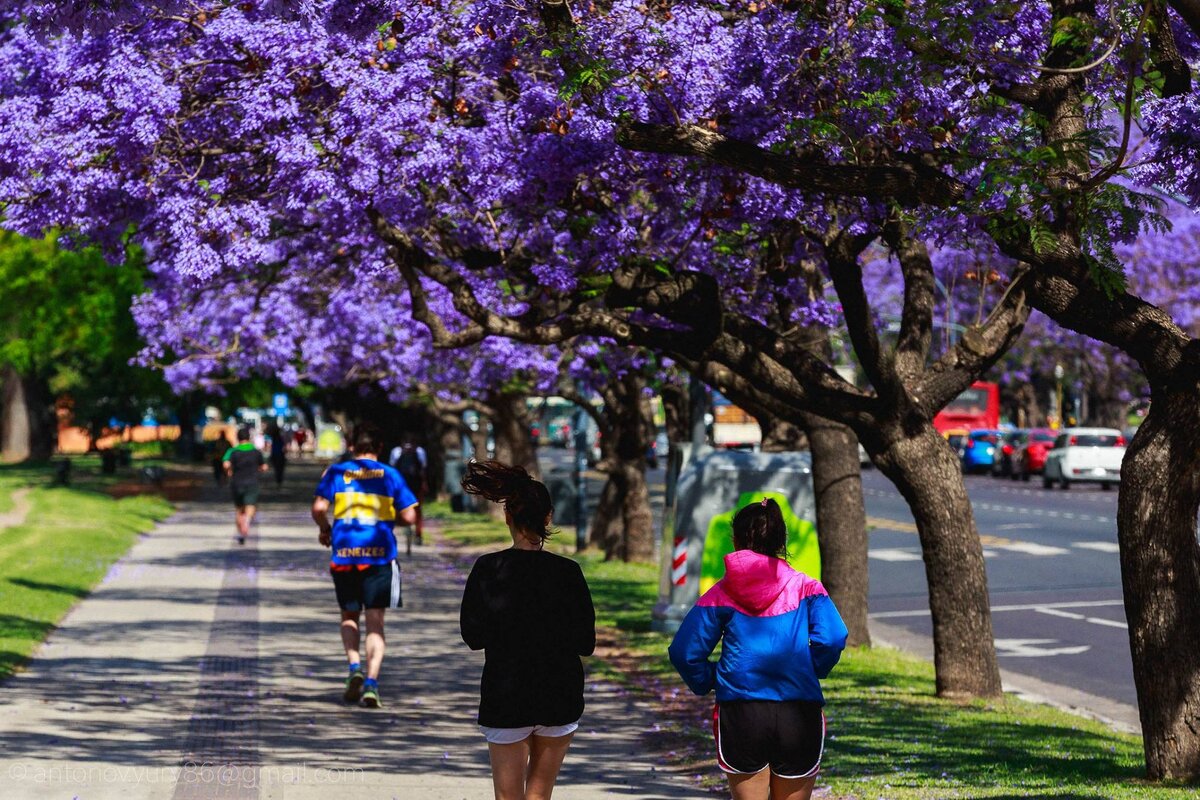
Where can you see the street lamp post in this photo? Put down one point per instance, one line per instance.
(577, 426)
(1058, 380)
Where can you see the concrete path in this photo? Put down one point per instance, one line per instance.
(20, 508)
(200, 669)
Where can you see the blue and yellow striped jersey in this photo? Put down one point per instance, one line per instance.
(366, 497)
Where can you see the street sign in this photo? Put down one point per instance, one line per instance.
(281, 404)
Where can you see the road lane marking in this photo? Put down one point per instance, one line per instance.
(893, 554)
(924, 612)
(1058, 612)
(985, 539)
(1036, 648)
(891, 525)
(1034, 549)
(1103, 547)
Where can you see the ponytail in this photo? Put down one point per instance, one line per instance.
(760, 527)
(526, 499)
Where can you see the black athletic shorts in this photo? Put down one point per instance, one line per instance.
(788, 736)
(374, 586)
(245, 496)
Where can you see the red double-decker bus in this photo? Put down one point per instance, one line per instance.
(977, 407)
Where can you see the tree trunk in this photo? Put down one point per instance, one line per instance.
(781, 436)
(606, 531)
(510, 429)
(638, 542)
(925, 470)
(677, 412)
(1160, 573)
(841, 521)
(479, 440)
(624, 523)
(28, 428)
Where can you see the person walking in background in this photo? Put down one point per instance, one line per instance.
(220, 448)
(531, 613)
(782, 634)
(367, 498)
(278, 452)
(410, 460)
(242, 463)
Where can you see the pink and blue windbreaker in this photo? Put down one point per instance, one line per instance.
(782, 633)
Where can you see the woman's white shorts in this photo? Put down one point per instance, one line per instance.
(514, 735)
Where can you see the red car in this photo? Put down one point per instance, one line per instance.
(1029, 455)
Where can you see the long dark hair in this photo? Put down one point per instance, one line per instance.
(526, 499)
(759, 526)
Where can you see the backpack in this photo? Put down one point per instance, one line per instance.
(409, 466)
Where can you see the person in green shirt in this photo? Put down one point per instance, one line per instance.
(243, 462)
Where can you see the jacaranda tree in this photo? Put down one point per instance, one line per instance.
(524, 158)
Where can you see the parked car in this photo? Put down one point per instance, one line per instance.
(956, 438)
(1002, 464)
(1029, 458)
(979, 450)
(1085, 455)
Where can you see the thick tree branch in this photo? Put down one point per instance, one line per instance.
(1189, 12)
(910, 184)
(979, 349)
(841, 256)
(916, 319)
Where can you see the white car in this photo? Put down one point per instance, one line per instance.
(1085, 455)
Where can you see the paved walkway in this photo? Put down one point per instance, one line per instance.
(200, 669)
(20, 508)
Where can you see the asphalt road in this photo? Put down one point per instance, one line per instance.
(1053, 576)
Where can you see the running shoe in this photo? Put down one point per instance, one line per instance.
(354, 686)
(370, 697)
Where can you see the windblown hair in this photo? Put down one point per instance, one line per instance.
(759, 527)
(526, 499)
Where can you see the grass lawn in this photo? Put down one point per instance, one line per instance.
(62, 550)
(889, 736)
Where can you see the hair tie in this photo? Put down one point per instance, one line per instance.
(764, 501)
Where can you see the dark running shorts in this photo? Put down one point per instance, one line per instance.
(376, 586)
(245, 497)
(788, 736)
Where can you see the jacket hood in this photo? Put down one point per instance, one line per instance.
(755, 581)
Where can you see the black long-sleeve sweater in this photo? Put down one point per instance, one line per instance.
(531, 612)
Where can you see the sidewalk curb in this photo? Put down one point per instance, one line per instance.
(1118, 716)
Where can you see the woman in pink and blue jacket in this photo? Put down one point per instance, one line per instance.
(781, 634)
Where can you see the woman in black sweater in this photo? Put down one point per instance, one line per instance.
(531, 613)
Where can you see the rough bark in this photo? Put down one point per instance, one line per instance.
(925, 470)
(28, 429)
(510, 430)
(781, 436)
(841, 521)
(677, 412)
(1160, 571)
(623, 525)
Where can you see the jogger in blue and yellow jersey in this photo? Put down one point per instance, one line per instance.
(367, 499)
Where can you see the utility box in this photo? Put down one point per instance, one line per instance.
(698, 526)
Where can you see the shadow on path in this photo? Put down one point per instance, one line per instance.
(201, 669)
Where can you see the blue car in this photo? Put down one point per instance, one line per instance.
(979, 450)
